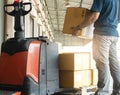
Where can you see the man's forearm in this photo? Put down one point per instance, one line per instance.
(90, 18)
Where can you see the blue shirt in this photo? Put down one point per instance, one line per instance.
(108, 19)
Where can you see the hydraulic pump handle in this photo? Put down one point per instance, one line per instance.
(18, 12)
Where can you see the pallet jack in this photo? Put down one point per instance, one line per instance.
(28, 66)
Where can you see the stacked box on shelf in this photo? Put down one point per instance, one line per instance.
(75, 69)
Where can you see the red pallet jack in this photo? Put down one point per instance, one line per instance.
(28, 66)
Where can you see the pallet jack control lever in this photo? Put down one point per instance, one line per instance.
(18, 1)
(18, 12)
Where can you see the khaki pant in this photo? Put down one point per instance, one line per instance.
(105, 55)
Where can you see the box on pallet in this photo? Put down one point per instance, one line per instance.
(75, 79)
(73, 17)
(92, 63)
(74, 61)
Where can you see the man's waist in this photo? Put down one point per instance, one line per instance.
(106, 32)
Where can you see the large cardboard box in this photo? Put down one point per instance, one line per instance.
(73, 17)
(75, 79)
(92, 63)
(74, 61)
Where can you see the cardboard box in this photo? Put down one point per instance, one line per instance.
(75, 79)
(94, 76)
(93, 63)
(73, 17)
(74, 61)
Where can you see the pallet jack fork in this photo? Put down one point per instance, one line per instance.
(28, 66)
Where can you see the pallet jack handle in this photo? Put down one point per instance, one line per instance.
(18, 12)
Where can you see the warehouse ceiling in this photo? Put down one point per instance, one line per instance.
(57, 11)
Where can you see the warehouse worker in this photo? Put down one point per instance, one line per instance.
(104, 15)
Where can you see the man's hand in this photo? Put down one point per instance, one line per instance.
(90, 18)
(76, 30)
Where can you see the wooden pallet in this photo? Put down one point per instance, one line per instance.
(87, 90)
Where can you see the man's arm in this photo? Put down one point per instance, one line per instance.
(90, 18)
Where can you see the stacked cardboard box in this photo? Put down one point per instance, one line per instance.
(75, 79)
(94, 71)
(74, 61)
(75, 70)
(94, 76)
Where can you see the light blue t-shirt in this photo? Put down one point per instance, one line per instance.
(108, 19)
